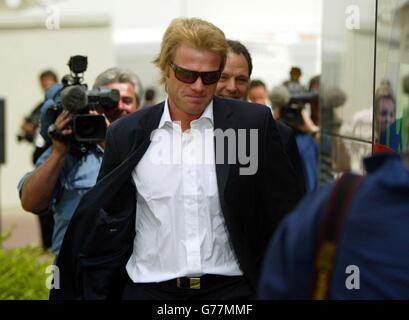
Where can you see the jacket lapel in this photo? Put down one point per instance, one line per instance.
(223, 120)
(148, 125)
(112, 182)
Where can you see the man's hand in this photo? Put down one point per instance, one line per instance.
(39, 186)
(60, 148)
(308, 126)
(28, 128)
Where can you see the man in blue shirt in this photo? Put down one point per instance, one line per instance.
(62, 177)
(372, 249)
(308, 148)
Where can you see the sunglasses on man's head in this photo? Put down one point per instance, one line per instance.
(189, 76)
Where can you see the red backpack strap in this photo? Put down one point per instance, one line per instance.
(329, 233)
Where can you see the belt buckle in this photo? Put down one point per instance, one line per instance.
(194, 283)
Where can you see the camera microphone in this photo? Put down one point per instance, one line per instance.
(74, 99)
(280, 96)
(333, 98)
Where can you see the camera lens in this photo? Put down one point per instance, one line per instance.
(90, 128)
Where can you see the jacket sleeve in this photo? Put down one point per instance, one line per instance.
(277, 182)
(111, 157)
(86, 219)
(287, 271)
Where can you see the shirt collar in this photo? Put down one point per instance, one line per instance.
(165, 116)
(207, 114)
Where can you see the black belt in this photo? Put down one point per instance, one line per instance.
(203, 282)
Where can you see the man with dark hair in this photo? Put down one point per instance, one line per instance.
(234, 83)
(293, 84)
(258, 92)
(176, 213)
(29, 127)
(47, 78)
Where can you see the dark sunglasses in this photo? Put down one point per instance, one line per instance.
(189, 76)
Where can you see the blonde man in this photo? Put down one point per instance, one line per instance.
(181, 217)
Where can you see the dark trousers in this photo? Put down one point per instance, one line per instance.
(46, 221)
(212, 287)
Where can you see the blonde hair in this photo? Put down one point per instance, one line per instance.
(195, 32)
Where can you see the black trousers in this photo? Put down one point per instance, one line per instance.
(212, 287)
(46, 221)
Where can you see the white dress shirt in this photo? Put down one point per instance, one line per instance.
(180, 228)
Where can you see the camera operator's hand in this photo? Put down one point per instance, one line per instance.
(61, 147)
(38, 187)
(28, 128)
(309, 126)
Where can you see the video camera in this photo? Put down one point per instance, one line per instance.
(25, 136)
(75, 98)
(291, 114)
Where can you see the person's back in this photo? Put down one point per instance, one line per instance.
(372, 251)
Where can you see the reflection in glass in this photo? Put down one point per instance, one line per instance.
(392, 77)
(373, 72)
(347, 68)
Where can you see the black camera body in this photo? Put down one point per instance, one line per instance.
(22, 136)
(79, 101)
(291, 114)
(75, 98)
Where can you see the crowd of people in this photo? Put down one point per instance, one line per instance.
(190, 198)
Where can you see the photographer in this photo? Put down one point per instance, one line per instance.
(293, 84)
(29, 127)
(63, 174)
(289, 107)
(29, 132)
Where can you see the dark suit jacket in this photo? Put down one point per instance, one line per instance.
(99, 239)
(290, 146)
